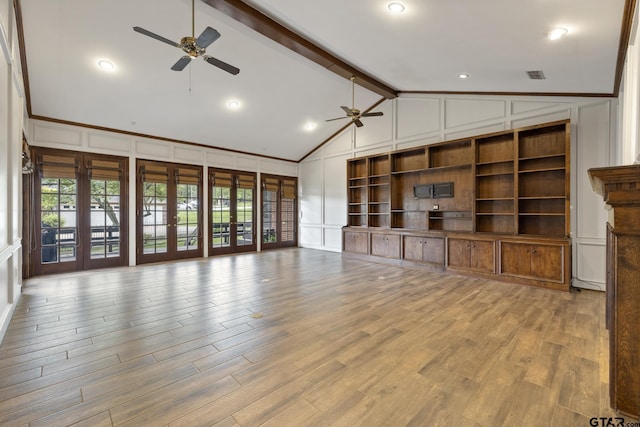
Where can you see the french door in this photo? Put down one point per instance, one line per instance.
(169, 211)
(232, 211)
(279, 211)
(78, 215)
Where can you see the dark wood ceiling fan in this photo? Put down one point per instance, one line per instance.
(353, 113)
(192, 46)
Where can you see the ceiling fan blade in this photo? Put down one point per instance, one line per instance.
(337, 118)
(222, 65)
(182, 62)
(208, 36)
(358, 123)
(155, 36)
(374, 114)
(347, 110)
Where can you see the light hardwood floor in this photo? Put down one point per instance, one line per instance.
(300, 337)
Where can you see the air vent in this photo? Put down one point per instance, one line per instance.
(536, 75)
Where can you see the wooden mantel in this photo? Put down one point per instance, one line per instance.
(620, 188)
(618, 185)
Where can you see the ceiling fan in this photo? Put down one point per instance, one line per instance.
(353, 113)
(193, 47)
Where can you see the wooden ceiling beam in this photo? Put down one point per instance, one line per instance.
(256, 20)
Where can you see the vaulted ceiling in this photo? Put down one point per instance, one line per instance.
(295, 59)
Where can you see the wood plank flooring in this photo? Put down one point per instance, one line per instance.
(300, 337)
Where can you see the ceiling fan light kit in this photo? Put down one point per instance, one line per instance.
(192, 46)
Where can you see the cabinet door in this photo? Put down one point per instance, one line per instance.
(538, 261)
(546, 262)
(378, 244)
(355, 242)
(481, 255)
(458, 252)
(433, 250)
(413, 248)
(516, 259)
(393, 246)
(385, 245)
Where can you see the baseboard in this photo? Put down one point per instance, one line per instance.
(5, 318)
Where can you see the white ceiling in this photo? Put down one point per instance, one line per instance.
(424, 49)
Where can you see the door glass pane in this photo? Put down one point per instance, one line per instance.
(105, 218)
(220, 222)
(155, 217)
(187, 226)
(288, 215)
(269, 215)
(58, 220)
(244, 213)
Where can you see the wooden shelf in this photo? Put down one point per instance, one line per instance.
(407, 172)
(544, 157)
(450, 220)
(507, 162)
(543, 198)
(494, 213)
(409, 160)
(447, 154)
(541, 170)
(495, 174)
(443, 168)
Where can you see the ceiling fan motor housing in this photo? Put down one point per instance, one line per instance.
(188, 44)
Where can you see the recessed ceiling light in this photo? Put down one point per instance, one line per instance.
(106, 65)
(556, 33)
(234, 105)
(396, 7)
(310, 126)
(463, 75)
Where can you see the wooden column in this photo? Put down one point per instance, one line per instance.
(620, 188)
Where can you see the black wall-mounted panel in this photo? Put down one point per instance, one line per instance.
(433, 191)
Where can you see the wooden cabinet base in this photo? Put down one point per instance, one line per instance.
(533, 261)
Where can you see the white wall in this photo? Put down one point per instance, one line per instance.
(54, 135)
(425, 119)
(629, 118)
(11, 119)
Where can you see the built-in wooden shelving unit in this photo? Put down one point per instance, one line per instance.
(499, 190)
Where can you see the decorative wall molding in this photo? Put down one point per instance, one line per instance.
(422, 119)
